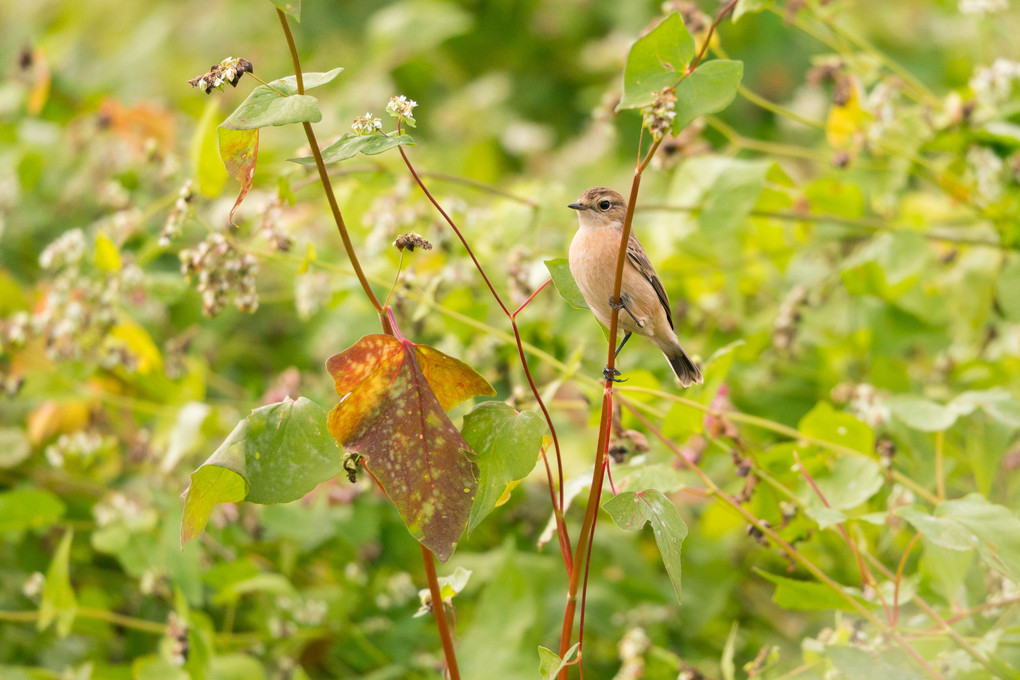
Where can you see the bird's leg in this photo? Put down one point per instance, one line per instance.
(626, 337)
(611, 374)
(623, 305)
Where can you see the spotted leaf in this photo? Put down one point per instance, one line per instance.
(393, 397)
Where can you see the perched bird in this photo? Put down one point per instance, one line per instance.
(644, 307)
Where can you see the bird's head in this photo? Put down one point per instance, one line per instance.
(599, 207)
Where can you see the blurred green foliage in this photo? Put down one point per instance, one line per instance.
(840, 244)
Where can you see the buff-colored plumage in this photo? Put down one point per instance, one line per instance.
(593, 255)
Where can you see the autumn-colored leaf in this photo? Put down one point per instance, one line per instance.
(239, 150)
(393, 397)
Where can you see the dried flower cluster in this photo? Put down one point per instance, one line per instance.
(659, 115)
(410, 241)
(223, 273)
(178, 214)
(229, 70)
(79, 310)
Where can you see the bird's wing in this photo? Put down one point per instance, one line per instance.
(637, 256)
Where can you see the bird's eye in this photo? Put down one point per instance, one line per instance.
(604, 205)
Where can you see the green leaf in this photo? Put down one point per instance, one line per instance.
(731, 197)
(22, 509)
(291, 8)
(631, 510)
(806, 595)
(709, 88)
(153, 667)
(1007, 285)
(277, 454)
(550, 664)
(726, 664)
(507, 444)
(559, 270)
(888, 266)
(204, 152)
(857, 664)
(350, 145)
(58, 601)
(999, 404)
(14, 448)
(279, 104)
(107, 257)
(921, 414)
(825, 423)
(972, 523)
(851, 481)
(750, 7)
(657, 60)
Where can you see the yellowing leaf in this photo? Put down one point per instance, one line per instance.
(205, 162)
(393, 394)
(107, 255)
(140, 345)
(54, 417)
(239, 151)
(845, 126)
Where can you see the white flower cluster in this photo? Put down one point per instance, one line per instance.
(867, 404)
(659, 115)
(402, 108)
(986, 169)
(633, 646)
(223, 272)
(366, 125)
(272, 226)
(982, 7)
(82, 446)
(312, 292)
(66, 250)
(118, 508)
(994, 84)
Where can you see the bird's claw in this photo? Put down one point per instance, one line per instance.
(614, 304)
(610, 374)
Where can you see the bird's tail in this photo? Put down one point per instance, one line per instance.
(687, 372)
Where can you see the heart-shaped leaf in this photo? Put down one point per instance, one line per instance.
(709, 88)
(277, 454)
(393, 397)
(631, 510)
(239, 151)
(278, 103)
(657, 60)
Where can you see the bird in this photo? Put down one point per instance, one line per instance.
(643, 304)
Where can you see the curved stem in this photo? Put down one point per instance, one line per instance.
(323, 175)
(557, 502)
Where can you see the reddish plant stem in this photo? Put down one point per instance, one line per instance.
(388, 324)
(866, 576)
(557, 501)
(530, 298)
(587, 527)
(439, 610)
(711, 29)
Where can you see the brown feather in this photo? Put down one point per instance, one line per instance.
(637, 256)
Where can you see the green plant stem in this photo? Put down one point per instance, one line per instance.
(940, 621)
(439, 610)
(870, 224)
(793, 553)
(792, 433)
(940, 480)
(323, 175)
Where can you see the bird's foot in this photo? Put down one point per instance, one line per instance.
(610, 374)
(614, 304)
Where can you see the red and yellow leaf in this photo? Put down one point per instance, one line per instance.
(393, 396)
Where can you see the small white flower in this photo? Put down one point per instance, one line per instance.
(982, 7)
(366, 125)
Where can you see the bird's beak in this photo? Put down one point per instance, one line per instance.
(576, 206)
